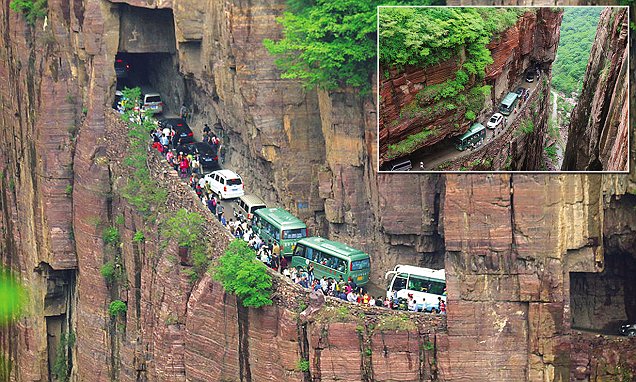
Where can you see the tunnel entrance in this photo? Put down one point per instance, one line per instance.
(58, 311)
(147, 56)
(603, 301)
(156, 73)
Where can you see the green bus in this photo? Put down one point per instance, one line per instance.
(332, 259)
(476, 133)
(279, 226)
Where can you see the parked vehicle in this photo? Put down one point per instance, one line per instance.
(425, 284)
(182, 132)
(332, 259)
(152, 102)
(494, 121)
(530, 75)
(246, 205)
(522, 92)
(628, 330)
(121, 67)
(207, 155)
(402, 166)
(226, 184)
(472, 137)
(508, 104)
(118, 97)
(279, 226)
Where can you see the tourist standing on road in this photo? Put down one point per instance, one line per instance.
(310, 272)
(219, 210)
(441, 305)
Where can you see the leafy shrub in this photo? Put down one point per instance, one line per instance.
(111, 235)
(185, 227)
(551, 152)
(409, 144)
(302, 365)
(241, 274)
(329, 44)
(60, 368)
(68, 190)
(138, 237)
(12, 296)
(117, 308)
(108, 271)
(141, 190)
(526, 127)
(30, 9)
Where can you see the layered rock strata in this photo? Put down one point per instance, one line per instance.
(600, 121)
(507, 237)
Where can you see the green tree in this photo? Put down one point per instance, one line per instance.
(330, 44)
(117, 308)
(241, 274)
(185, 227)
(30, 9)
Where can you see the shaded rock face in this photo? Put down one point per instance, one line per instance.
(600, 120)
(506, 237)
(532, 41)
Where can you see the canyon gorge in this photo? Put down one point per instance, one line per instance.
(529, 258)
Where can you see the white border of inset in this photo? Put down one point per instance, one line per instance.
(558, 172)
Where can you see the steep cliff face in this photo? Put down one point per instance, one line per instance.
(533, 40)
(600, 120)
(512, 241)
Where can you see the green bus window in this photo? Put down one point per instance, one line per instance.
(417, 284)
(309, 253)
(298, 233)
(360, 265)
(300, 251)
(437, 287)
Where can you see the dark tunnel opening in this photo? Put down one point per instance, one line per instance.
(147, 56)
(604, 301)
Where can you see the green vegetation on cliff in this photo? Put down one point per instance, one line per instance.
(578, 30)
(241, 274)
(31, 9)
(330, 44)
(423, 37)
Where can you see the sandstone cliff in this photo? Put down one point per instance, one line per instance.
(600, 121)
(513, 243)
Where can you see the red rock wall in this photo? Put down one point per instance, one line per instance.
(600, 119)
(513, 290)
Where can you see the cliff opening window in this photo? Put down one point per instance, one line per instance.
(603, 301)
(147, 55)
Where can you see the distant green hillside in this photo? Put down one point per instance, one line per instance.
(578, 31)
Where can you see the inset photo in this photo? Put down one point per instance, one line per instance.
(503, 89)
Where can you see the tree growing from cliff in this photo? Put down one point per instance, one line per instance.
(187, 228)
(330, 44)
(241, 274)
(30, 9)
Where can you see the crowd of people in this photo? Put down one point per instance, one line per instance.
(269, 252)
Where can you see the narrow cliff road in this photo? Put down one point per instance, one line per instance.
(443, 152)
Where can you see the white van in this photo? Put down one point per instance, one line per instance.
(226, 184)
(152, 102)
(425, 284)
(246, 205)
